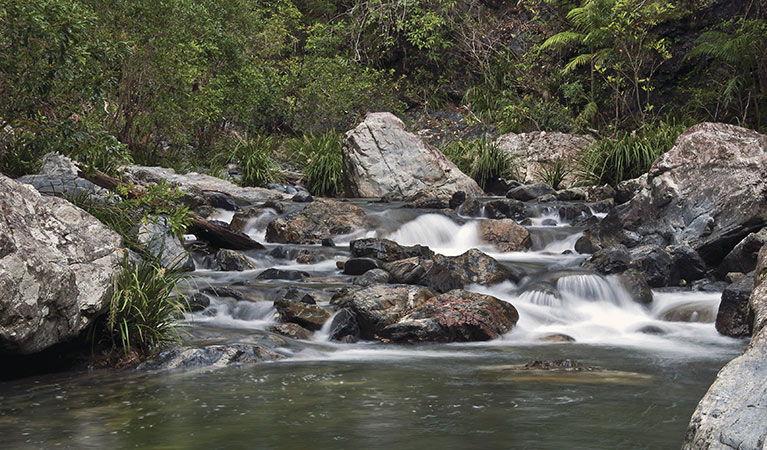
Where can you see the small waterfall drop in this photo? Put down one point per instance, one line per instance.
(439, 233)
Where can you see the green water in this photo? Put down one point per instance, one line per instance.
(441, 397)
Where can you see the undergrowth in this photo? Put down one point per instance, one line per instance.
(481, 159)
(323, 157)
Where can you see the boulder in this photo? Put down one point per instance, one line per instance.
(380, 157)
(505, 235)
(686, 265)
(626, 190)
(309, 316)
(636, 285)
(506, 209)
(742, 258)
(373, 276)
(423, 272)
(530, 192)
(457, 199)
(476, 267)
(232, 260)
(470, 208)
(534, 152)
(732, 319)
(358, 266)
(654, 262)
(56, 263)
(344, 326)
(732, 413)
(247, 217)
(154, 234)
(278, 274)
(610, 260)
(709, 191)
(456, 316)
(321, 219)
(380, 305)
(386, 250)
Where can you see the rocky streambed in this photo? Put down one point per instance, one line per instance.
(426, 320)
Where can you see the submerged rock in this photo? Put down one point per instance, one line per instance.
(279, 274)
(319, 220)
(212, 356)
(56, 265)
(380, 157)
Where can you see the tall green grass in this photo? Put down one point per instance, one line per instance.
(323, 157)
(144, 308)
(628, 155)
(256, 158)
(481, 159)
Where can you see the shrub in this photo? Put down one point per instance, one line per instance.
(144, 307)
(324, 158)
(629, 155)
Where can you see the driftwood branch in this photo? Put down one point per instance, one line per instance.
(205, 229)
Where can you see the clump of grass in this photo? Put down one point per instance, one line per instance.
(256, 158)
(324, 161)
(554, 173)
(628, 155)
(144, 308)
(481, 159)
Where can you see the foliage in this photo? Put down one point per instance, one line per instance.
(742, 82)
(481, 159)
(256, 158)
(619, 46)
(629, 155)
(324, 161)
(123, 213)
(554, 173)
(144, 307)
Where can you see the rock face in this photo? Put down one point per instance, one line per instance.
(733, 413)
(380, 157)
(416, 314)
(709, 191)
(537, 151)
(321, 219)
(56, 262)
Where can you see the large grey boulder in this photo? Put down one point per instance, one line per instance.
(534, 152)
(733, 413)
(56, 262)
(381, 158)
(708, 191)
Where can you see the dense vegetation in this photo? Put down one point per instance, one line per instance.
(192, 83)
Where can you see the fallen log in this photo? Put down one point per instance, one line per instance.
(217, 235)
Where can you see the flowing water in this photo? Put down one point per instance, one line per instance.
(373, 395)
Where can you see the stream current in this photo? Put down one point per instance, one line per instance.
(658, 361)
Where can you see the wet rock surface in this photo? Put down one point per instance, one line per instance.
(733, 318)
(209, 357)
(319, 220)
(505, 235)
